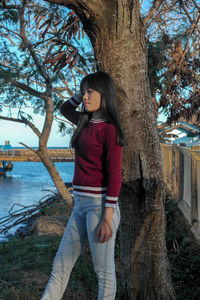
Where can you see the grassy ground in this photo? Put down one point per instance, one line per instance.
(183, 254)
(25, 264)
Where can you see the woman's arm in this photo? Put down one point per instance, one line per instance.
(113, 168)
(68, 109)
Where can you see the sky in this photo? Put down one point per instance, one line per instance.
(18, 132)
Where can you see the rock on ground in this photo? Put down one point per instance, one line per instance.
(46, 225)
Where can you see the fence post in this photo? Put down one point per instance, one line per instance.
(194, 190)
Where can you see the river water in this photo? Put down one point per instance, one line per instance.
(27, 183)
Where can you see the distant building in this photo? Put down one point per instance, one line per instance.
(5, 165)
(181, 133)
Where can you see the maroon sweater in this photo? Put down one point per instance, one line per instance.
(97, 157)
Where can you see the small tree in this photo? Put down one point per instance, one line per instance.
(26, 42)
(174, 61)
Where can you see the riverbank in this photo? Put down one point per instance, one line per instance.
(27, 185)
(25, 263)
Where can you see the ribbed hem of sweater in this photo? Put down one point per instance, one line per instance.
(95, 192)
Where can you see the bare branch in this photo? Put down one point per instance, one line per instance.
(65, 121)
(74, 79)
(188, 42)
(57, 90)
(155, 6)
(24, 121)
(60, 94)
(31, 149)
(195, 3)
(32, 126)
(80, 71)
(41, 68)
(25, 213)
(187, 13)
(11, 119)
(9, 30)
(163, 11)
(10, 7)
(67, 88)
(12, 42)
(27, 88)
(65, 3)
(141, 2)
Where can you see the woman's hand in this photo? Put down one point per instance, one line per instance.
(105, 230)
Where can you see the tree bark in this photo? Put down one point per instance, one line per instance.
(117, 34)
(121, 51)
(42, 152)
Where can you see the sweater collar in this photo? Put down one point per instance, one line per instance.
(97, 120)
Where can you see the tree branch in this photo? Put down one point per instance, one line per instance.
(24, 121)
(48, 96)
(74, 80)
(12, 42)
(34, 151)
(80, 71)
(68, 3)
(57, 90)
(195, 3)
(188, 42)
(141, 2)
(9, 7)
(41, 69)
(65, 121)
(155, 6)
(27, 88)
(187, 13)
(9, 30)
(32, 126)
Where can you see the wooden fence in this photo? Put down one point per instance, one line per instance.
(181, 173)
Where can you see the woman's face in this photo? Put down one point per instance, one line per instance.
(91, 100)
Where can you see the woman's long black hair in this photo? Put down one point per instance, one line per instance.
(103, 83)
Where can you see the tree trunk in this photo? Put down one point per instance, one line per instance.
(42, 152)
(120, 49)
(51, 168)
(117, 34)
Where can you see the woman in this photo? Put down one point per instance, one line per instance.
(98, 141)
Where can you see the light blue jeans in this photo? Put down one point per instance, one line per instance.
(82, 227)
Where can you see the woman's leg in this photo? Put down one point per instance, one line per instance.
(103, 253)
(73, 241)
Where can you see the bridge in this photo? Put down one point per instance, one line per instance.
(57, 155)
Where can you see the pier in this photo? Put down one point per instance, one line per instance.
(57, 155)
